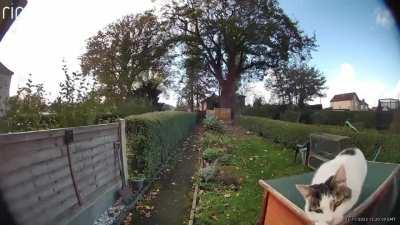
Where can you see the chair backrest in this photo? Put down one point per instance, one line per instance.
(324, 147)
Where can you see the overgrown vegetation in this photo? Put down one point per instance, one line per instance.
(79, 103)
(211, 123)
(153, 138)
(289, 134)
(233, 196)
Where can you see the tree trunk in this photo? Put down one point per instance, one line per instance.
(227, 98)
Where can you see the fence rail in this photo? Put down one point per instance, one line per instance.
(46, 176)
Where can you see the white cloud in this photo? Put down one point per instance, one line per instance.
(48, 31)
(384, 18)
(255, 90)
(348, 80)
(397, 90)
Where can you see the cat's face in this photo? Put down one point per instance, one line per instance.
(323, 200)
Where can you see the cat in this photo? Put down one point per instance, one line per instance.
(335, 187)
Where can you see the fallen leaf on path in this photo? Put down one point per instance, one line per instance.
(227, 195)
(214, 217)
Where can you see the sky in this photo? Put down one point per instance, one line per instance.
(359, 45)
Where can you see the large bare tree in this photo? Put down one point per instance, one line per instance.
(239, 39)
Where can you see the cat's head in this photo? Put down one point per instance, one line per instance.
(323, 199)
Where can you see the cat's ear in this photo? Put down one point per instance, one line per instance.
(304, 190)
(340, 176)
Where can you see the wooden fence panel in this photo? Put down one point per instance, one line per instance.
(44, 176)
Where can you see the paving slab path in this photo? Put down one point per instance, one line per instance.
(173, 202)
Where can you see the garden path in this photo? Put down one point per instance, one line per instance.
(171, 200)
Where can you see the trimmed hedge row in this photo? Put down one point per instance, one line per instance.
(290, 134)
(365, 119)
(361, 119)
(153, 137)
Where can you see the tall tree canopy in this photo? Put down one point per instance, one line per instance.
(239, 39)
(297, 84)
(124, 51)
(198, 82)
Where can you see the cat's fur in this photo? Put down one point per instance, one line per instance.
(335, 187)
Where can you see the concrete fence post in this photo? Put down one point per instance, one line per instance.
(122, 127)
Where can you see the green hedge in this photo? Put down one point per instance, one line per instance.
(358, 119)
(154, 137)
(290, 134)
(365, 119)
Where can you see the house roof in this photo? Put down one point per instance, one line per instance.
(5, 71)
(363, 102)
(344, 97)
(8, 20)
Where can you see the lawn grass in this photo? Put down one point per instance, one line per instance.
(255, 158)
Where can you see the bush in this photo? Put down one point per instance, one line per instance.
(215, 140)
(135, 106)
(359, 119)
(154, 137)
(211, 154)
(290, 134)
(291, 116)
(212, 124)
(266, 110)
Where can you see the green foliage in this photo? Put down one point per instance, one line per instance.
(211, 154)
(291, 116)
(297, 84)
(77, 104)
(213, 124)
(134, 106)
(198, 81)
(263, 110)
(129, 57)
(154, 137)
(25, 112)
(359, 119)
(212, 139)
(290, 134)
(238, 39)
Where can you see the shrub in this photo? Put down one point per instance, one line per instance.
(211, 154)
(213, 124)
(291, 116)
(154, 137)
(215, 140)
(135, 106)
(359, 119)
(266, 110)
(290, 134)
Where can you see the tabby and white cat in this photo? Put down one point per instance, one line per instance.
(335, 187)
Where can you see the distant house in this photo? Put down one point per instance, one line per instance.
(348, 101)
(364, 105)
(5, 81)
(213, 102)
(9, 11)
